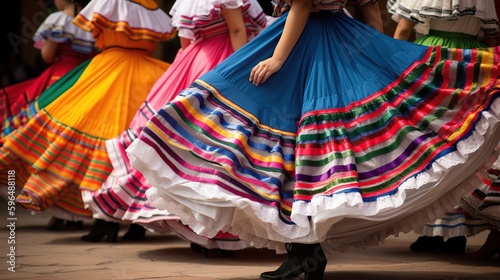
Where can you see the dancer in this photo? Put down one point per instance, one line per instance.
(452, 24)
(209, 31)
(61, 150)
(340, 136)
(64, 46)
(449, 23)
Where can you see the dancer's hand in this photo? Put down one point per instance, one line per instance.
(262, 71)
(294, 25)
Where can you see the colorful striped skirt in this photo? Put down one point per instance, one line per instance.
(357, 137)
(458, 222)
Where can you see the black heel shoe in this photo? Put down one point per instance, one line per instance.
(100, 229)
(302, 258)
(427, 244)
(135, 232)
(455, 245)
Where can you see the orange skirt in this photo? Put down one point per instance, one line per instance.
(61, 150)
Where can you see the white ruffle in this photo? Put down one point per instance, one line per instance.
(422, 11)
(132, 14)
(202, 8)
(206, 9)
(454, 224)
(59, 27)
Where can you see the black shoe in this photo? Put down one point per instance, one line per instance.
(55, 224)
(135, 232)
(207, 253)
(427, 244)
(196, 248)
(74, 225)
(100, 229)
(455, 245)
(302, 258)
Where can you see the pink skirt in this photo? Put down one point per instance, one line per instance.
(122, 197)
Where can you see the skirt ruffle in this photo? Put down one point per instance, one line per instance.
(422, 11)
(122, 197)
(50, 171)
(450, 40)
(59, 28)
(456, 223)
(139, 20)
(194, 17)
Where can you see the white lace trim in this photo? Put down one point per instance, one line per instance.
(59, 27)
(423, 11)
(204, 8)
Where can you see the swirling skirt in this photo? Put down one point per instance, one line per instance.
(357, 137)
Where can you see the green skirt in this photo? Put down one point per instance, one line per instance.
(450, 40)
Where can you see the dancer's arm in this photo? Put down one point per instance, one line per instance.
(236, 25)
(294, 25)
(49, 51)
(184, 42)
(371, 16)
(404, 29)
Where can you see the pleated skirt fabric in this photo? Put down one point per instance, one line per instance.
(450, 40)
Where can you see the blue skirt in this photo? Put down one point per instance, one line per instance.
(326, 69)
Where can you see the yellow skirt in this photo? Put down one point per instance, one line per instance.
(108, 93)
(62, 148)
